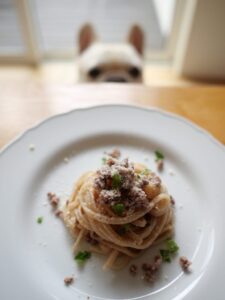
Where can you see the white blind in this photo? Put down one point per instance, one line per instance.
(11, 40)
(60, 21)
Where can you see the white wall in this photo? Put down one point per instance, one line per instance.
(201, 46)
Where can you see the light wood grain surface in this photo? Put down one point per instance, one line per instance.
(24, 105)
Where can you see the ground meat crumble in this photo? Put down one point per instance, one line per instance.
(160, 165)
(155, 180)
(129, 189)
(53, 199)
(58, 213)
(133, 269)
(68, 280)
(172, 200)
(151, 269)
(115, 153)
(184, 263)
(92, 238)
(109, 196)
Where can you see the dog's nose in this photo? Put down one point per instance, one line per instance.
(115, 79)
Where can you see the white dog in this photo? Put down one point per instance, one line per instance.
(101, 62)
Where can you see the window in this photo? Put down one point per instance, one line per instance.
(49, 28)
(11, 40)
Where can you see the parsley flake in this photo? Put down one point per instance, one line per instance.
(104, 160)
(116, 181)
(172, 246)
(40, 220)
(123, 229)
(159, 155)
(165, 255)
(82, 256)
(118, 208)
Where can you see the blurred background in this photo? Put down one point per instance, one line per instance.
(185, 40)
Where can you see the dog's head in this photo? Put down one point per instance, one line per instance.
(99, 62)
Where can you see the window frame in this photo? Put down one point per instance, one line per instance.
(31, 54)
(34, 56)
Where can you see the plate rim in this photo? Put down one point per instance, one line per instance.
(161, 111)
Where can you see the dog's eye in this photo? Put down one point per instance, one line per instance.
(134, 72)
(94, 72)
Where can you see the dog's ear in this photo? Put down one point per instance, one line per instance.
(136, 38)
(86, 37)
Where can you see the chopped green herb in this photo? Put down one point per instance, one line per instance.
(145, 172)
(81, 257)
(172, 246)
(116, 181)
(165, 255)
(126, 227)
(104, 160)
(123, 229)
(159, 155)
(39, 220)
(118, 208)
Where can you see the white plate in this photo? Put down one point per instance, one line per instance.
(35, 258)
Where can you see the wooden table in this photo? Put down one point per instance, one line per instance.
(22, 106)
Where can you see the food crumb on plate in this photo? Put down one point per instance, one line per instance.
(160, 164)
(32, 147)
(133, 269)
(58, 213)
(115, 153)
(53, 199)
(185, 263)
(66, 160)
(40, 220)
(172, 200)
(171, 172)
(166, 277)
(68, 280)
(151, 269)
